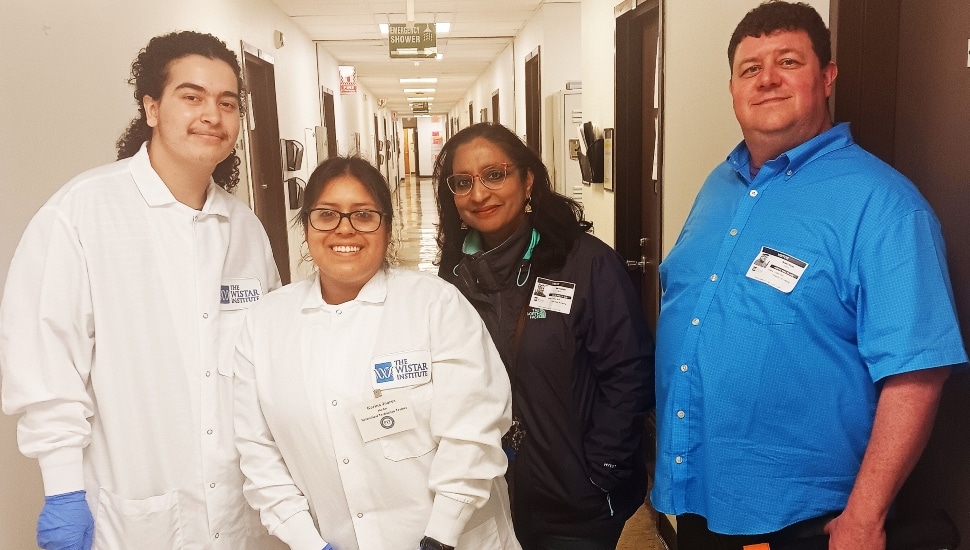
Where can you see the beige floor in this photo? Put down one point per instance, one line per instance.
(414, 240)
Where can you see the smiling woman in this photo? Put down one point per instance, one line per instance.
(363, 362)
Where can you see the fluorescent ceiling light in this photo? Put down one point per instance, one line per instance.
(419, 90)
(439, 56)
(442, 28)
(383, 27)
(429, 98)
(419, 80)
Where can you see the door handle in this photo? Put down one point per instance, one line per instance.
(641, 265)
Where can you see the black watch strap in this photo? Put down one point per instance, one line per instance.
(428, 543)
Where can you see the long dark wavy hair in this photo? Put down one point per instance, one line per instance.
(149, 73)
(558, 219)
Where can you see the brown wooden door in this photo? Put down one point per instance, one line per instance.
(903, 85)
(533, 102)
(266, 158)
(637, 147)
(329, 121)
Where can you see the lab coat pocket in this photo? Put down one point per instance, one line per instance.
(483, 537)
(230, 325)
(154, 523)
(416, 442)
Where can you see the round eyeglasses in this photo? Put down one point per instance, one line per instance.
(492, 177)
(365, 221)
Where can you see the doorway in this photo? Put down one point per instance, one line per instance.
(533, 102)
(265, 154)
(902, 85)
(638, 147)
(329, 122)
(495, 103)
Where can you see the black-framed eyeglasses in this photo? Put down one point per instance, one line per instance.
(492, 177)
(365, 221)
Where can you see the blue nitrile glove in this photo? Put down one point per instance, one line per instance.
(328, 547)
(65, 523)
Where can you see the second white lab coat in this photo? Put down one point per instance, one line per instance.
(118, 307)
(302, 367)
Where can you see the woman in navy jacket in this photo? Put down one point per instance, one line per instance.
(567, 322)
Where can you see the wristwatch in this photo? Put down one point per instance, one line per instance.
(428, 543)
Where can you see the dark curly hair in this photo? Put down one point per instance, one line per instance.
(558, 219)
(149, 73)
(774, 16)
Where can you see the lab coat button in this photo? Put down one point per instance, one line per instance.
(346, 461)
(208, 373)
(334, 402)
(212, 485)
(217, 535)
(208, 432)
(205, 315)
(360, 515)
(340, 312)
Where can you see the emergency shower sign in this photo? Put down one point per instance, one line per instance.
(412, 41)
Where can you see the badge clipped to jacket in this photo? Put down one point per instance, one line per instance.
(553, 295)
(393, 413)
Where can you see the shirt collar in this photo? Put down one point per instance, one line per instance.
(374, 291)
(791, 161)
(156, 193)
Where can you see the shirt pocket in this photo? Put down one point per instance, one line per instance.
(416, 442)
(154, 523)
(759, 303)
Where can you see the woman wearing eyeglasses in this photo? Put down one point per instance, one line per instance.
(568, 325)
(370, 401)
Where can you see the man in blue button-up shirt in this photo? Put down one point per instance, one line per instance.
(807, 324)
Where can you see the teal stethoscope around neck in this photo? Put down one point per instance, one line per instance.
(473, 245)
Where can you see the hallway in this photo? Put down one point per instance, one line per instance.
(413, 238)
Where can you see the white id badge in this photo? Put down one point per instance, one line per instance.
(384, 416)
(553, 295)
(239, 293)
(400, 370)
(776, 269)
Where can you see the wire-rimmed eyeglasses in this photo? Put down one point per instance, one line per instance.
(365, 221)
(492, 177)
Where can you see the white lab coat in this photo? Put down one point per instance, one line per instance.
(302, 366)
(111, 332)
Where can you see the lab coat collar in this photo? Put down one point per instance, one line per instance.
(374, 291)
(156, 193)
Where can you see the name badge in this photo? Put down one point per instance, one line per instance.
(400, 370)
(553, 295)
(381, 417)
(776, 269)
(239, 293)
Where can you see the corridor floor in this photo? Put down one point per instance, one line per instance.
(415, 216)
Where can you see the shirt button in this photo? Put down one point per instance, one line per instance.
(788, 173)
(680, 414)
(208, 373)
(205, 315)
(734, 232)
(713, 277)
(683, 368)
(753, 192)
(679, 460)
(334, 402)
(212, 485)
(346, 461)
(695, 321)
(208, 432)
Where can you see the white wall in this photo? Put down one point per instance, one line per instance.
(429, 144)
(699, 125)
(500, 75)
(64, 100)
